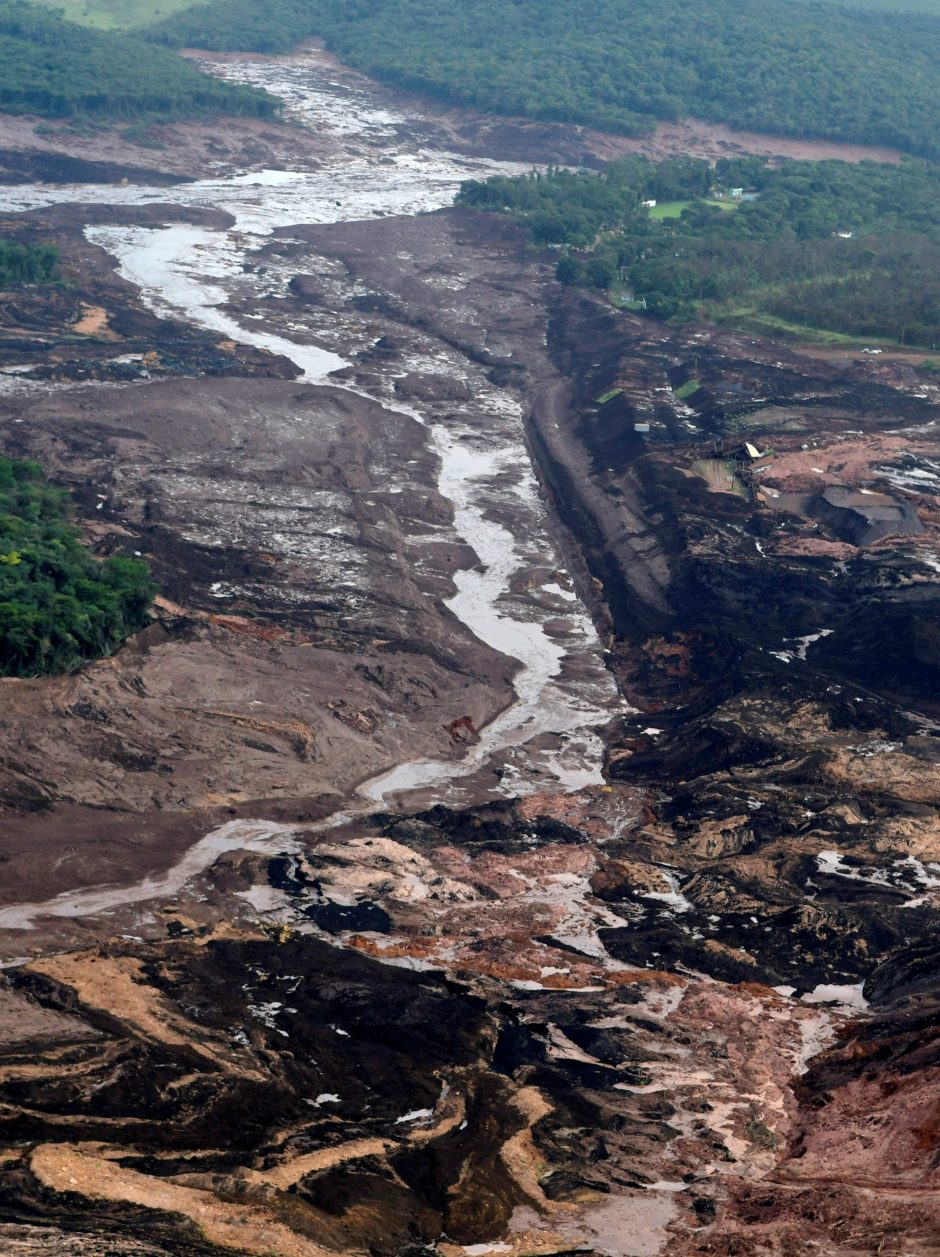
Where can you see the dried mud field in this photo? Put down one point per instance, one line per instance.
(515, 834)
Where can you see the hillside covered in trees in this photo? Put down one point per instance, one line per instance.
(781, 66)
(56, 68)
(58, 605)
(827, 245)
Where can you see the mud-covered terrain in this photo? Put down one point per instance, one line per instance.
(91, 326)
(323, 931)
(303, 548)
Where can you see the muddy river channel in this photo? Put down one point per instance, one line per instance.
(502, 840)
(381, 168)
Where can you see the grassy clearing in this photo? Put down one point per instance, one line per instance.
(673, 209)
(754, 320)
(608, 397)
(124, 15)
(771, 323)
(687, 389)
(669, 209)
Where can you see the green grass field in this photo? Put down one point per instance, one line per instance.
(106, 15)
(751, 319)
(669, 209)
(673, 209)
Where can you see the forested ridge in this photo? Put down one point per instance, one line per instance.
(58, 605)
(853, 249)
(783, 66)
(780, 66)
(54, 68)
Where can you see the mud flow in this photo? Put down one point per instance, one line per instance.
(517, 831)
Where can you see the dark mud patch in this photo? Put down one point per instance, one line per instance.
(25, 166)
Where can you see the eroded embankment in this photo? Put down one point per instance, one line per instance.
(788, 692)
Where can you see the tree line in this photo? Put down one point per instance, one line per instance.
(782, 66)
(27, 263)
(59, 606)
(828, 245)
(54, 68)
(899, 6)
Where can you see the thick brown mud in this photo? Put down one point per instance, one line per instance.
(689, 1010)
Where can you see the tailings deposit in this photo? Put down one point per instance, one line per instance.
(511, 835)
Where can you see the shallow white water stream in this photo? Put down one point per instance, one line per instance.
(540, 705)
(162, 263)
(263, 837)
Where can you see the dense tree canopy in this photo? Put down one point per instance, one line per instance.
(249, 25)
(58, 604)
(52, 67)
(783, 66)
(26, 263)
(898, 6)
(853, 249)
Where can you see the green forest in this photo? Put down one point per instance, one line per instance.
(58, 69)
(26, 263)
(898, 6)
(780, 66)
(852, 249)
(857, 72)
(130, 14)
(59, 606)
